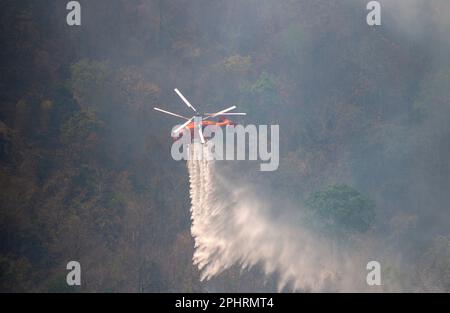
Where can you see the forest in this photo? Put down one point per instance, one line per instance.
(85, 166)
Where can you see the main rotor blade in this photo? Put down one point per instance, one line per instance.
(184, 99)
(202, 139)
(170, 113)
(221, 112)
(226, 114)
(183, 126)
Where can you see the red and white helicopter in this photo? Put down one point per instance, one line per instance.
(199, 122)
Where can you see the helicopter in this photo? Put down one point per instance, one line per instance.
(199, 121)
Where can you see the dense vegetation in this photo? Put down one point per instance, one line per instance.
(85, 167)
(342, 210)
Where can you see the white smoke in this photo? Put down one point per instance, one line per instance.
(231, 226)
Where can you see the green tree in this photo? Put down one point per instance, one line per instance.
(259, 97)
(340, 211)
(89, 82)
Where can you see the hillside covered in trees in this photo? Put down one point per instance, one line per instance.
(85, 166)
